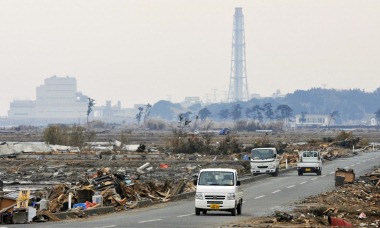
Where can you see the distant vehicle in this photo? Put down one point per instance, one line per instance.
(224, 131)
(265, 160)
(264, 131)
(218, 189)
(8, 155)
(309, 162)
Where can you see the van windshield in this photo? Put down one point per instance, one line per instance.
(262, 154)
(216, 178)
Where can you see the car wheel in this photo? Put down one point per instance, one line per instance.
(240, 208)
(275, 174)
(197, 211)
(233, 211)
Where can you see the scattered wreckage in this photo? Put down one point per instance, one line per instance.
(75, 187)
(103, 188)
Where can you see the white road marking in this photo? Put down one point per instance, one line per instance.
(323, 176)
(259, 197)
(303, 182)
(291, 186)
(353, 165)
(100, 226)
(276, 191)
(153, 220)
(179, 216)
(346, 167)
(314, 178)
(332, 173)
(358, 163)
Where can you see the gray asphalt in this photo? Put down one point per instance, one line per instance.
(261, 198)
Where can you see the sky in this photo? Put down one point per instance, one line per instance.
(143, 51)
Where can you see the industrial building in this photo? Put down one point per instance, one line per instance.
(56, 99)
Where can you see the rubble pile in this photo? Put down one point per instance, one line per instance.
(103, 188)
(334, 153)
(289, 158)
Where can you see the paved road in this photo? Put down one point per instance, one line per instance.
(260, 198)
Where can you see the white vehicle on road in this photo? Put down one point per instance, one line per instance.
(265, 160)
(218, 190)
(309, 162)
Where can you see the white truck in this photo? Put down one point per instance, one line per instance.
(309, 162)
(265, 160)
(218, 190)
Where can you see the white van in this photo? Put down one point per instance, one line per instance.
(218, 190)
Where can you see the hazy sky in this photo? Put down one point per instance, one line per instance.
(140, 51)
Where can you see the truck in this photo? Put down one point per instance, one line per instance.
(264, 160)
(218, 189)
(309, 162)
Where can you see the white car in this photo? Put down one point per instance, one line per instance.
(218, 190)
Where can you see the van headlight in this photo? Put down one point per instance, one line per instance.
(199, 196)
(230, 196)
(272, 166)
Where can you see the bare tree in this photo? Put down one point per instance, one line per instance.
(139, 115)
(147, 112)
(333, 116)
(91, 103)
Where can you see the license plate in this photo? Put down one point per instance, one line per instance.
(214, 206)
(307, 169)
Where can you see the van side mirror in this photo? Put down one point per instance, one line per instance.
(274, 155)
(195, 182)
(237, 183)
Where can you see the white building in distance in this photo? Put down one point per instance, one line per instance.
(314, 120)
(57, 98)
